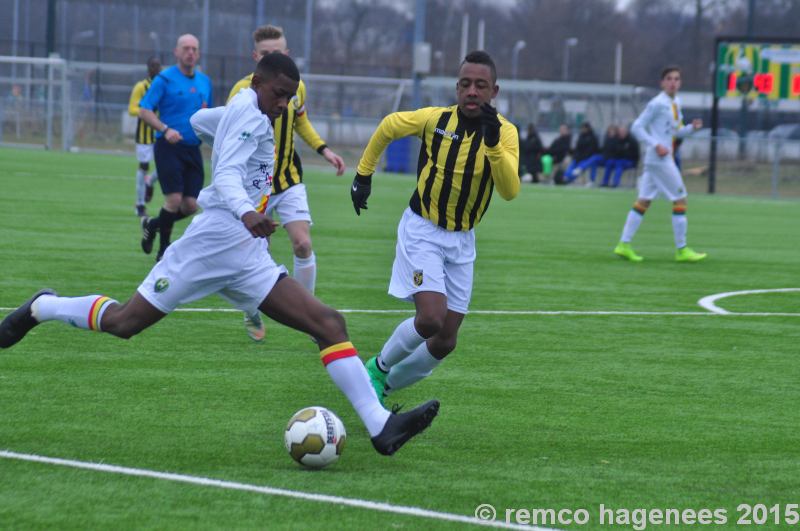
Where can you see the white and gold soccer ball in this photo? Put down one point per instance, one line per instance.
(315, 437)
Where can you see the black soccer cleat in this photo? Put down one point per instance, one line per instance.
(149, 230)
(403, 426)
(20, 321)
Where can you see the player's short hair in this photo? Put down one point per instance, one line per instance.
(669, 68)
(274, 64)
(267, 33)
(482, 58)
(152, 60)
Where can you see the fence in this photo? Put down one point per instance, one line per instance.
(78, 105)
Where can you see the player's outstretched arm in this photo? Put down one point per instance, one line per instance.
(690, 128)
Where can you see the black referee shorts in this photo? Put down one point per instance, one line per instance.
(180, 168)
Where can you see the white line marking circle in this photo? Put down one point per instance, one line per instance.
(708, 302)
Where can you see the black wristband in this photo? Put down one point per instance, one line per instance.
(322, 148)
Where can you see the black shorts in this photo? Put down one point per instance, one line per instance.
(180, 168)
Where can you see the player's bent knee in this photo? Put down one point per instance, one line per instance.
(429, 324)
(333, 328)
(144, 166)
(302, 248)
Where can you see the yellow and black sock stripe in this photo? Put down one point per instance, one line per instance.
(337, 351)
(96, 312)
(639, 208)
(678, 210)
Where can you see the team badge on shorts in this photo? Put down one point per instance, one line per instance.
(162, 284)
(418, 278)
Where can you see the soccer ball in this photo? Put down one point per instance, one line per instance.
(315, 437)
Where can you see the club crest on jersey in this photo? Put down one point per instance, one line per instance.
(162, 284)
(245, 135)
(418, 277)
(449, 134)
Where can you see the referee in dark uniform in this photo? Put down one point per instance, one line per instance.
(176, 93)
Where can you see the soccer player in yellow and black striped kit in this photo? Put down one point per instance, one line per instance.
(145, 138)
(289, 197)
(468, 151)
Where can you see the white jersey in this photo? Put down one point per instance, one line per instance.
(243, 155)
(661, 122)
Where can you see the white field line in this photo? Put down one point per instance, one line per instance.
(710, 313)
(269, 491)
(708, 302)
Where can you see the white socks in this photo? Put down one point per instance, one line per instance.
(404, 340)
(631, 225)
(418, 365)
(350, 376)
(679, 226)
(82, 312)
(140, 186)
(305, 271)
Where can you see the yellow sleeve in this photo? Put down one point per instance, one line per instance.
(136, 96)
(242, 83)
(394, 126)
(302, 124)
(504, 160)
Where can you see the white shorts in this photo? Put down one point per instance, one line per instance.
(291, 205)
(216, 254)
(662, 177)
(430, 258)
(144, 152)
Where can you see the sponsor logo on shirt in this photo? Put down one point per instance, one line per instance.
(449, 134)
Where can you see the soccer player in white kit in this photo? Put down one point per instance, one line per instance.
(658, 128)
(225, 250)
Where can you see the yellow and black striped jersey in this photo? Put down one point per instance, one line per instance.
(456, 171)
(144, 133)
(288, 168)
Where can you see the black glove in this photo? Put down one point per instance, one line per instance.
(491, 125)
(362, 186)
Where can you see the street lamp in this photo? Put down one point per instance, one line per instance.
(438, 56)
(520, 44)
(515, 56)
(86, 34)
(154, 37)
(568, 43)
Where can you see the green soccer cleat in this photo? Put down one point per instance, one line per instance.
(624, 250)
(377, 378)
(255, 327)
(685, 254)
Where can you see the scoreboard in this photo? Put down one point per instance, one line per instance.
(758, 70)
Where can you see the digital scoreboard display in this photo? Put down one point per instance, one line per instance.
(758, 70)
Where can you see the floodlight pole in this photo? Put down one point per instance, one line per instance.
(307, 37)
(712, 152)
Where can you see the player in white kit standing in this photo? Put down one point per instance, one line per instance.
(658, 128)
(225, 250)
